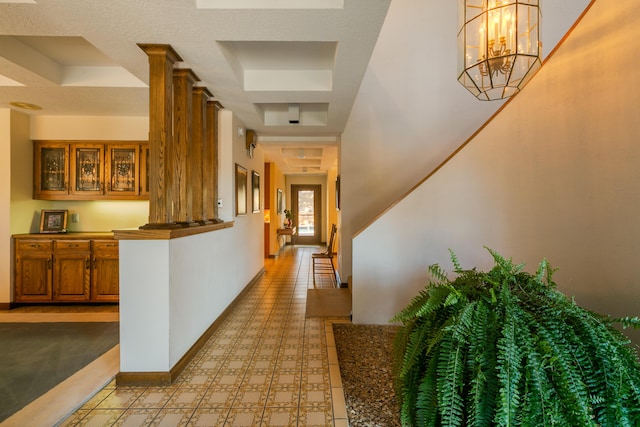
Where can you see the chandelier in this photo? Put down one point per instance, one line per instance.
(498, 46)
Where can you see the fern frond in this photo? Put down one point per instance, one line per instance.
(428, 301)
(506, 348)
(456, 263)
(509, 361)
(481, 364)
(450, 369)
(438, 273)
(426, 405)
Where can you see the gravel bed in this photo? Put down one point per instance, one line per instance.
(365, 354)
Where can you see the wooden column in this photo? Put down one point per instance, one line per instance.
(211, 162)
(161, 60)
(197, 157)
(183, 80)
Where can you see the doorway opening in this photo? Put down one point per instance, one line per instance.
(306, 207)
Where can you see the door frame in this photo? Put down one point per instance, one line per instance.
(316, 239)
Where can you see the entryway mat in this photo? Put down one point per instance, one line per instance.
(334, 302)
(35, 357)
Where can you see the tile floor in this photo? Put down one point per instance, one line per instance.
(267, 365)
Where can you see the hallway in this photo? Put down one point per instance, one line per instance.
(267, 364)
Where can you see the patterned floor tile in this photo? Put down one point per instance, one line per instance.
(208, 417)
(100, 418)
(186, 397)
(275, 417)
(266, 365)
(172, 417)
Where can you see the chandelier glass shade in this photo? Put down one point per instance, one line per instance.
(498, 46)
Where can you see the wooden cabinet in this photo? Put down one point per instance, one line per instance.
(50, 170)
(89, 170)
(71, 270)
(33, 270)
(79, 267)
(105, 271)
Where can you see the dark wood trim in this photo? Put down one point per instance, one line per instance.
(167, 233)
(157, 379)
(161, 60)
(167, 378)
(5, 306)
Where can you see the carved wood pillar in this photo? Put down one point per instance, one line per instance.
(183, 80)
(211, 162)
(161, 60)
(197, 157)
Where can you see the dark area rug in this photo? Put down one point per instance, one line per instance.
(35, 357)
(365, 355)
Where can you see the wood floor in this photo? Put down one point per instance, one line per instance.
(268, 364)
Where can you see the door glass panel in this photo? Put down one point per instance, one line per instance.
(123, 169)
(306, 214)
(52, 170)
(88, 169)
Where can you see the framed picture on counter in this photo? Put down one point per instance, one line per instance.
(53, 221)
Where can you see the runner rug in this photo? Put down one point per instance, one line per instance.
(35, 357)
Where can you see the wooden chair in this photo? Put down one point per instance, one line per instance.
(323, 262)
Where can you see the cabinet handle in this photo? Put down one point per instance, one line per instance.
(87, 264)
(49, 264)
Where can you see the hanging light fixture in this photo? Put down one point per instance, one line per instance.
(498, 46)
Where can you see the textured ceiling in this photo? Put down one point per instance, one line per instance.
(289, 69)
(261, 59)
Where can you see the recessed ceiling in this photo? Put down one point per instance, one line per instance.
(265, 60)
(258, 58)
(270, 4)
(65, 61)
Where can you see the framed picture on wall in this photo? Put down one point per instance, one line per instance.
(53, 221)
(255, 191)
(241, 190)
(338, 193)
(279, 201)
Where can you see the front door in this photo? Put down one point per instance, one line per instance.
(306, 209)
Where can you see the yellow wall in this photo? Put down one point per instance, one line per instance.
(21, 214)
(277, 181)
(5, 210)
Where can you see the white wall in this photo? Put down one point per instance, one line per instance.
(171, 291)
(400, 127)
(555, 175)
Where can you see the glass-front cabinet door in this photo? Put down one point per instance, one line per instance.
(90, 170)
(144, 170)
(123, 163)
(87, 170)
(52, 170)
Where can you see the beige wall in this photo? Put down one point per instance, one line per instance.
(5, 210)
(400, 127)
(277, 181)
(555, 175)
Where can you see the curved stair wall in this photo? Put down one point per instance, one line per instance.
(555, 174)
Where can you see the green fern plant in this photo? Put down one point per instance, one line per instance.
(505, 348)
